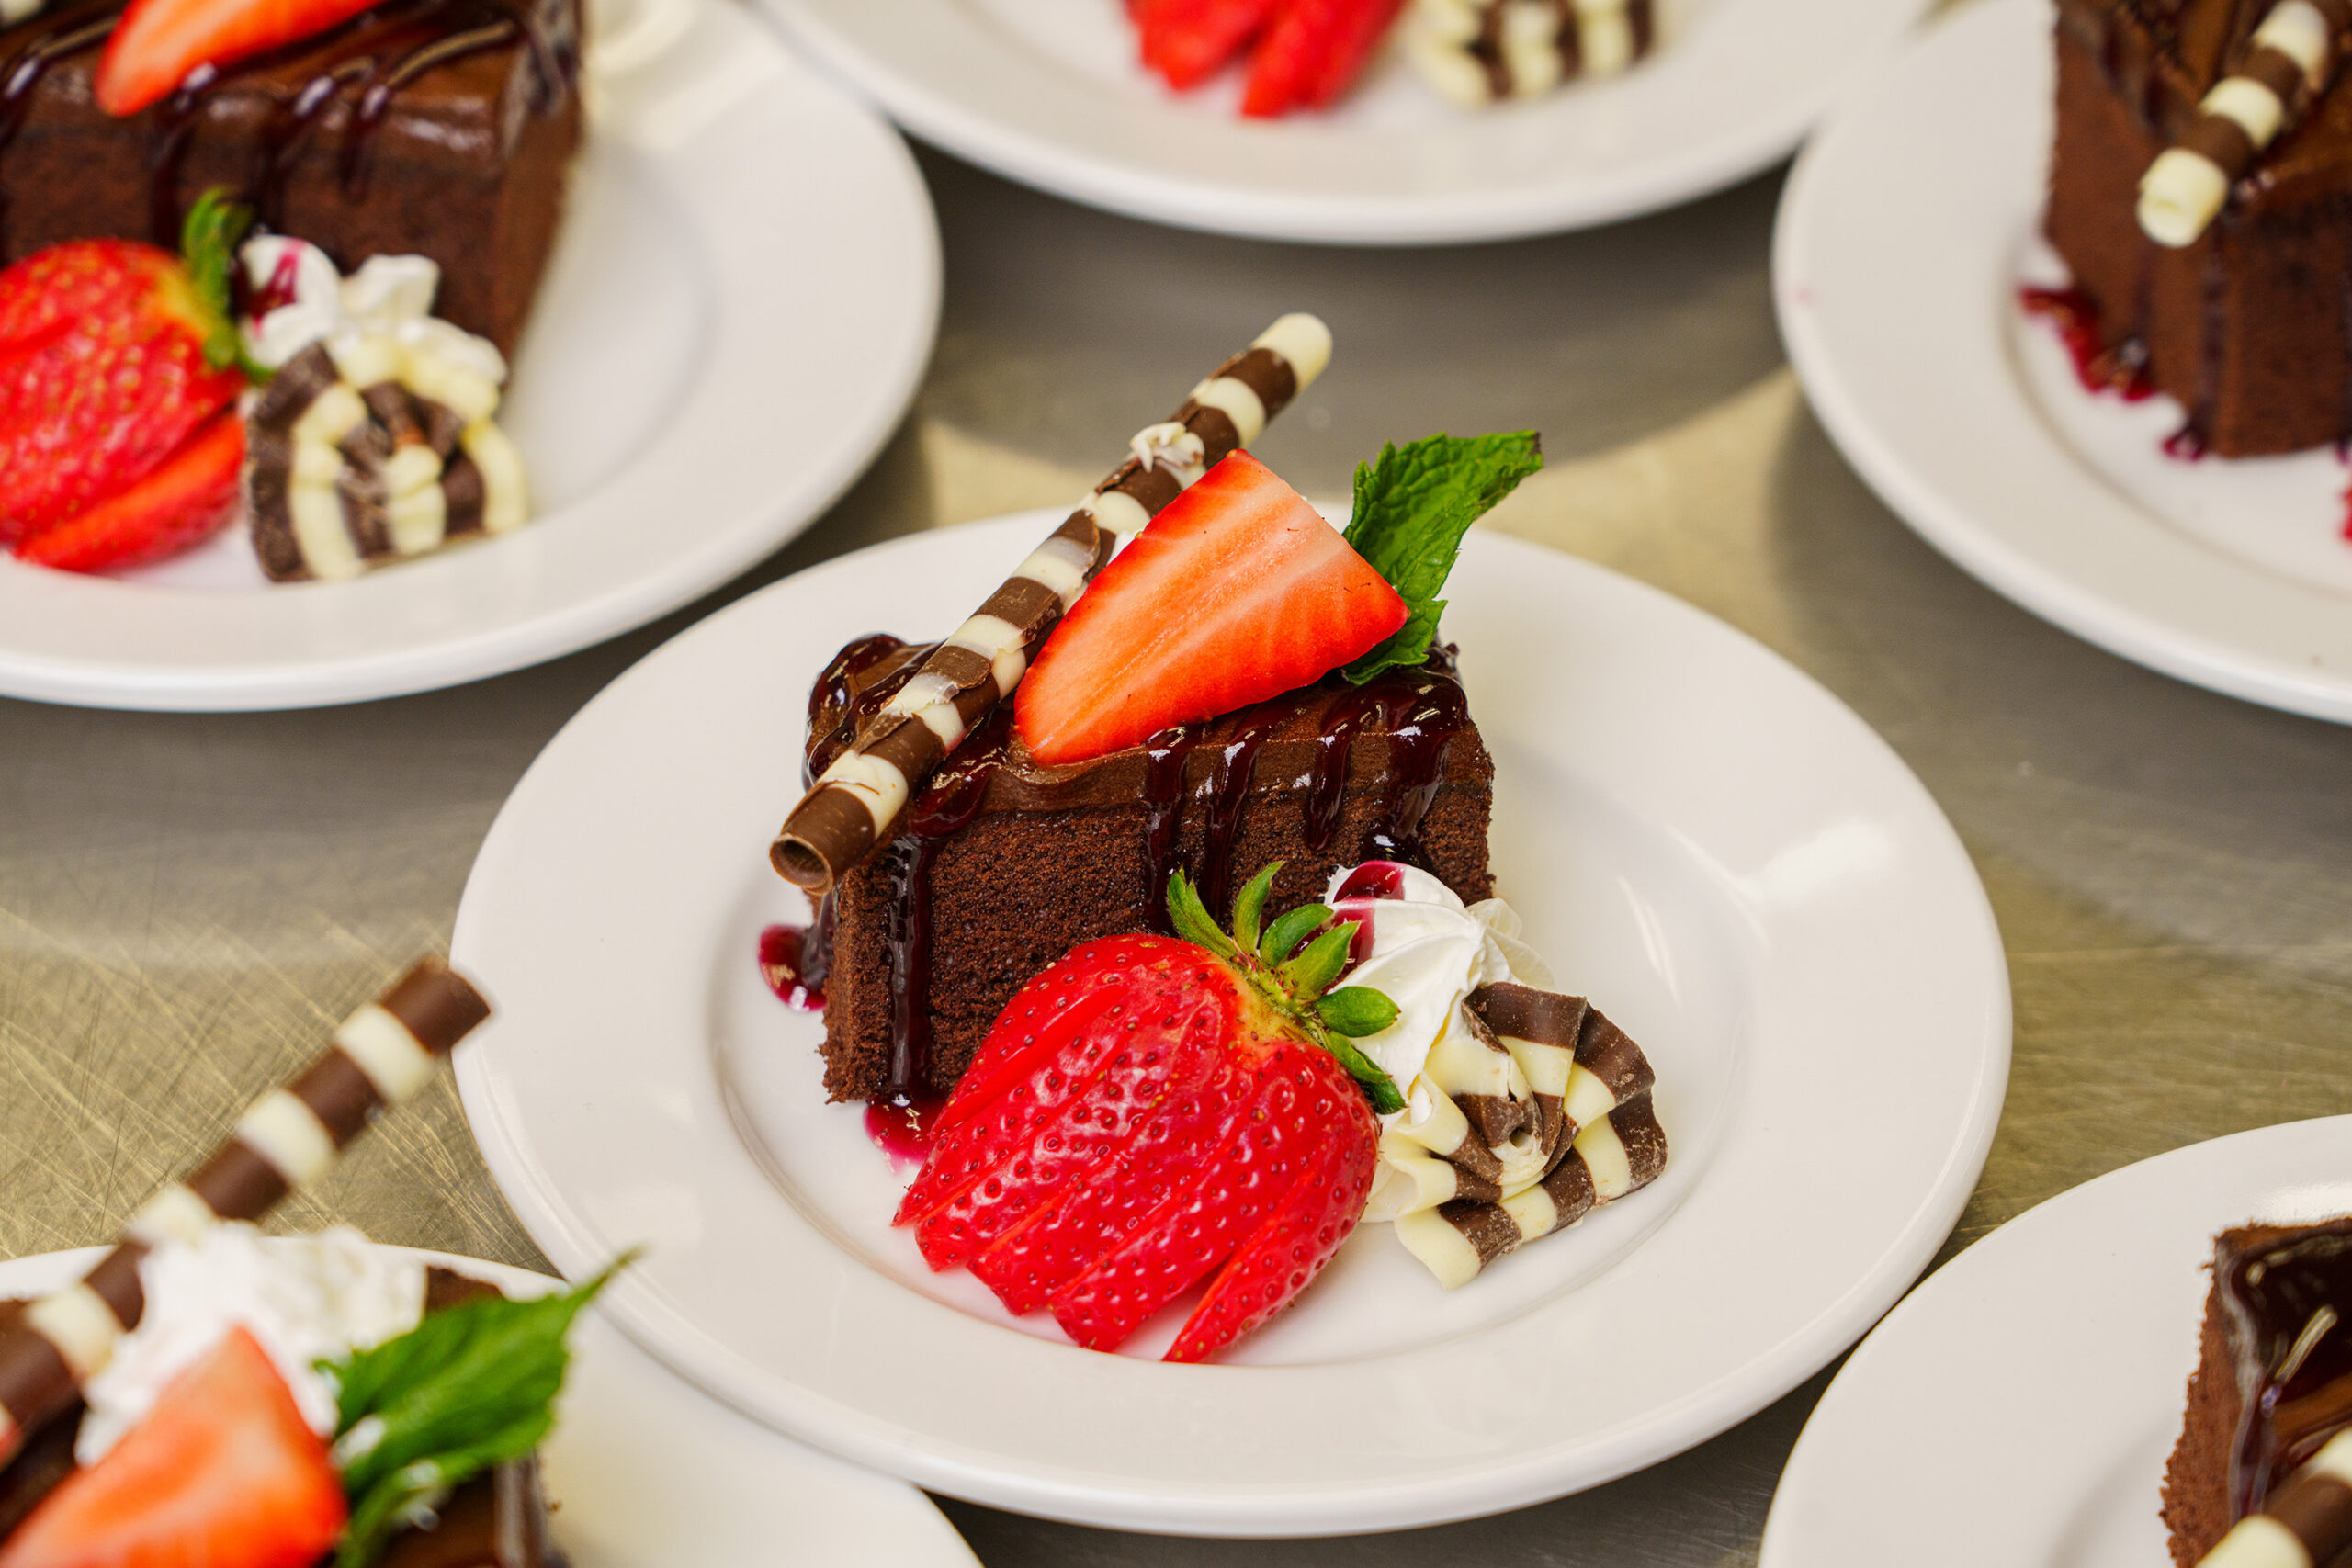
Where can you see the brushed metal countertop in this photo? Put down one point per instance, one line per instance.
(188, 902)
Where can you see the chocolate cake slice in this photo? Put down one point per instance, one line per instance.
(1002, 865)
(2273, 1383)
(434, 127)
(2250, 325)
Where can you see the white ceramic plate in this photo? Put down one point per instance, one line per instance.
(740, 305)
(648, 1473)
(1049, 92)
(1743, 874)
(1904, 233)
(2018, 1407)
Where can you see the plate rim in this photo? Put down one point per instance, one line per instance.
(1888, 1342)
(2085, 609)
(1301, 215)
(1286, 1511)
(614, 605)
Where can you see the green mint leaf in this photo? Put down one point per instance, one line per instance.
(466, 1389)
(1413, 504)
(1285, 935)
(1190, 918)
(1309, 975)
(1249, 907)
(208, 240)
(1356, 1010)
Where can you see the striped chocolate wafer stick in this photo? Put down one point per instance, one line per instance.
(1482, 51)
(851, 807)
(2306, 1523)
(382, 1056)
(2288, 62)
(1598, 1135)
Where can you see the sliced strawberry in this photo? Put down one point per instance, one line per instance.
(102, 375)
(1169, 1154)
(1237, 592)
(1283, 1257)
(222, 1471)
(1186, 40)
(183, 500)
(1288, 1126)
(158, 43)
(1313, 53)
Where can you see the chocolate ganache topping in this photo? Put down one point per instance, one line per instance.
(2288, 1302)
(1388, 737)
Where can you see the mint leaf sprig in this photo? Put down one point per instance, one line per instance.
(468, 1388)
(1413, 504)
(1296, 983)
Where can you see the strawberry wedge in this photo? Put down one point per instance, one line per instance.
(158, 42)
(1237, 592)
(1313, 53)
(1186, 40)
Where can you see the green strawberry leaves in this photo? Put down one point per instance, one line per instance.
(208, 240)
(466, 1389)
(1413, 504)
(1296, 981)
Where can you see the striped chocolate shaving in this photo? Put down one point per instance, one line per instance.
(851, 808)
(2305, 1523)
(382, 1056)
(2288, 62)
(1481, 51)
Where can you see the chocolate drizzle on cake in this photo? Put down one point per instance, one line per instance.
(1419, 712)
(2288, 1303)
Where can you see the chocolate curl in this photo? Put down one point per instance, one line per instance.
(1481, 51)
(382, 1056)
(852, 805)
(2288, 62)
(2306, 1523)
(1599, 1136)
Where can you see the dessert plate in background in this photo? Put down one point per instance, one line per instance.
(648, 1473)
(1906, 229)
(1049, 93)
(2018, 1407)
(740, 305)
(1746, 877)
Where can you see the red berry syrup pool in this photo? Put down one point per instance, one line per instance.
(785, 964)
(900, 1127)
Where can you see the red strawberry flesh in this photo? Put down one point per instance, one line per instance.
(181, 502)
(158, 43)
(1184, 40)
(1237, 592)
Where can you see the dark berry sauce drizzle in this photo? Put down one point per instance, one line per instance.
(385, 49)
(1423, 709)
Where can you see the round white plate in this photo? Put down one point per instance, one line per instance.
(648, 1473)
(1905, 230)
(1726, 858)
(740, 305)
(1049, 93)
(2018, 1407)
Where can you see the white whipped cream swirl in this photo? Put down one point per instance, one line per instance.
(304, 1300)
(377, 323)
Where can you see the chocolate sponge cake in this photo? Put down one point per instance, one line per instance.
(434, 127)
(2273, 1383)
(2248, 324)
(1002, 865)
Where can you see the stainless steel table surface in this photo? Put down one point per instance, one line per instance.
(186, 902)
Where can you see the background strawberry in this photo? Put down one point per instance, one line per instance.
(1150, 1111)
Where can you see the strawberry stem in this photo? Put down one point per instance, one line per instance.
(208, 240)
(1298, 988)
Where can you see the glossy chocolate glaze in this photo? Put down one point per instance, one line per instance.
(355, 75)
(1389, 736)
(2288, 1301)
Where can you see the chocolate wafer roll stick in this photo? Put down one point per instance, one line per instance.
(2306, 1523)
(2290, 60)
(851, 806)
(381, 1056)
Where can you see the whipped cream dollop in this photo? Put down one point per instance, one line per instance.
(304, 1300)
(1427, 951)
(377, 323)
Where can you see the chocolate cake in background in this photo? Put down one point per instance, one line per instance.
(1002, 865)
(2250, 325)
(434, 127)
(2273, 1381)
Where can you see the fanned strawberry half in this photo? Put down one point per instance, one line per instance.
(1151, 1112)
(1313, 54)
(223, 1471)
(1237, 592)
